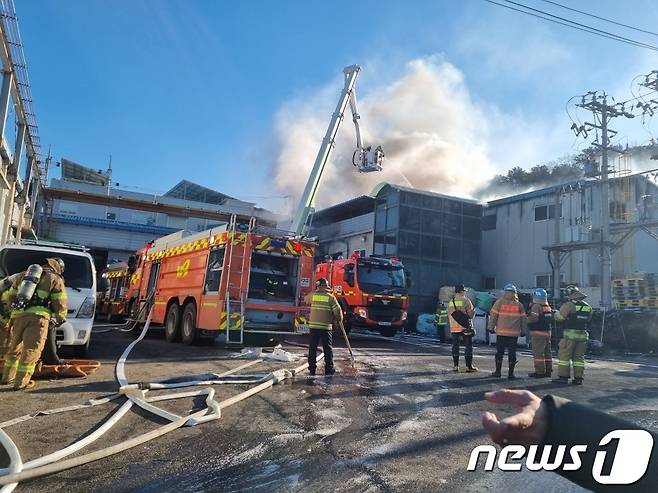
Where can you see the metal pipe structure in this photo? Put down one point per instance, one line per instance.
(307, 201)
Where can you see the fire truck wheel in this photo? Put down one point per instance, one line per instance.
(172, 324)
(188, 325)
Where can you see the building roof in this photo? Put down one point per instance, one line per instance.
(355, 207)
(78, 173)
(383, 185)
(187, 190)
(551, 190)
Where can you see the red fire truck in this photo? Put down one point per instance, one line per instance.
(234, 280)
(373, 291)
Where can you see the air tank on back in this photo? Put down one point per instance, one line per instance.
(28, 286)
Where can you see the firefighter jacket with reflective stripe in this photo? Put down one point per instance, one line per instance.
(507, 316)
(459, 303)
(441, 316)
(325, 309)
(49, 300)
(577, 315)
(539, 319)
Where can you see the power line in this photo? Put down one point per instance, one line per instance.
(601, 18)
(639, 43)
(586, 29)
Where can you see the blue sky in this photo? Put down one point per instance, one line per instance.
(192, 89)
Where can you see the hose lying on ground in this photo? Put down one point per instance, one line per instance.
(17, 471)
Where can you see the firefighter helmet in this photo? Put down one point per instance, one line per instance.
(540, 294)
(321, 283)
(510, 287)
(573, 293)
(56, 264)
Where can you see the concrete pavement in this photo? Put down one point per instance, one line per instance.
(402, 422)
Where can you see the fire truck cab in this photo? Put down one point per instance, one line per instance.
(111, 302)
(373, 291)
(233, 280)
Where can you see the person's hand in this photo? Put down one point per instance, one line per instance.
(527, 427)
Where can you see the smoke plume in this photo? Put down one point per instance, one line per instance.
(433, 134)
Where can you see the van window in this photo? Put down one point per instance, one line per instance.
(77, 273)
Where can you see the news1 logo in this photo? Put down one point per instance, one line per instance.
(630, 457)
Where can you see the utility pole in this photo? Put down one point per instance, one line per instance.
(597, 103)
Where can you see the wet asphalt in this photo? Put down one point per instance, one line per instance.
(402, 421)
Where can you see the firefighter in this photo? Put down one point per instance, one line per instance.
(577, 315)
(31, 317)
(325, 312)
(539, 327)
(460, 303)
(506, 320)
(5, 312)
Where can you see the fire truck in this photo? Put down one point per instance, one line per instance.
(111, 302)
(234, 280)
(373, 291)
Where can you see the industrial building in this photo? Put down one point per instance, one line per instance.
(436, 236)
(519, 231)
(82, 206)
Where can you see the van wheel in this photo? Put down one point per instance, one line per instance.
(189, 332)
(172, 324)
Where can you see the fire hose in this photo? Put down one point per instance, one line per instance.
(135, 394)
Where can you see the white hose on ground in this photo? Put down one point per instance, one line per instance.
(48, 465)
(75, 446)
(115, 449)
(15, 462)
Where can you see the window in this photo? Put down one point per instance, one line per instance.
(541, 213)
(489, 222)
(409, 243)
(452, 225)
(380, 218)
(432, 222)
(544, 212)
(453, 206)
(77, 273)
(431, 246)
(409, 219)
(392, 218)
(214, 272)
(450, 250)
(111, 216)
(543, 281)
(361, 252)
(488, 283)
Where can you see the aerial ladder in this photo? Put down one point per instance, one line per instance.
(365, 159)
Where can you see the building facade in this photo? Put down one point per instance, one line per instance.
(437, 237)
(518, 229)
(81, 207)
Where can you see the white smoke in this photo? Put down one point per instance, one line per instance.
(434, 135)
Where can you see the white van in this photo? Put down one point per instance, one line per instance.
(80, 280)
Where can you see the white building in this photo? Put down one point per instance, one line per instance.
(517, 229)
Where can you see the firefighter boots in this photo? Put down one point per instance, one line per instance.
(510, 372)
(499, 366)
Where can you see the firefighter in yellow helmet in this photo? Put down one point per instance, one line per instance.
(5, 312)
(38, 299)
(325, 312)
(576, 314)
